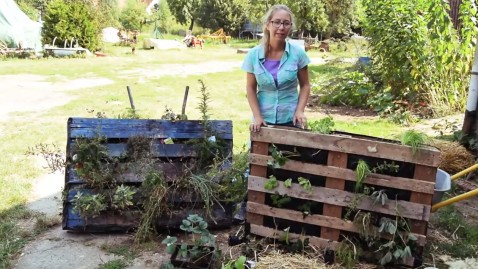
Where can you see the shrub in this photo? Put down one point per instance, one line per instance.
(71, 19)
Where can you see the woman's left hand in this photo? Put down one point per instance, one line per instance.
(300, 120)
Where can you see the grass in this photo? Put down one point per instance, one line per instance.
(153, 89)
(454, 226)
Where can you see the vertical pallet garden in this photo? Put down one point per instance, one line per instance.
(313, 194)
(130, 152)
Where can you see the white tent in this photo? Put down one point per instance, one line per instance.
(16, 29)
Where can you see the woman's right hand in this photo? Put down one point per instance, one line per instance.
(256, 125)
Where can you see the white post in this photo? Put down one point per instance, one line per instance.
(472, 101)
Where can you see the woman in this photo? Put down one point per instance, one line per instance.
(274, 69)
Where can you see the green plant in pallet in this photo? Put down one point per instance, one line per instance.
(386, 168)
(413, 139)
(280, 200)
(306, 208)
(399, 247)
(89, 205)
(123, 197)
(347, 254)
(239, 263)
(379, 197)
(288, 183)
(361, 172)
(278, 158)
(322, 126)
(305, 184)
(271, 183)
(202, 239)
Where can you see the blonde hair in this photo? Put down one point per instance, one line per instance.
(265, 21)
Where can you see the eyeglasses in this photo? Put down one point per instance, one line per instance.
(277, 24)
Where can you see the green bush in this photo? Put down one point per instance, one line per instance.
(422, 59)
(133, 16)
(67, 19)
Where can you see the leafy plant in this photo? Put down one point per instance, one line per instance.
(280, 200)
(288, 183)
(201, 241)
(89, 205)
(170, 115)
(414, 139)
(361, 172)
(347, 254)
(123, 197)
(278, 158)
(386, 168)
(322, 126)
(238, 263)
(271, 183)
(51, 153)
(379, 197)
(305, 183)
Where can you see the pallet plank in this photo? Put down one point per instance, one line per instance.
(260, 171)
(319, 220)
(343, 198)
(425, 173)
(125, 128)
(401, 183)
(348, 144)
(313, 240)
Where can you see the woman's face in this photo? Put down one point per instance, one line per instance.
(279, 25)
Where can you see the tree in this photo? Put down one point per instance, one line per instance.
(341, 15)
(227, 14)
(33, 8)
(309, 15)
(133, 16)
(67, 19)
(108, 13)
(185, 11)
(162, 16)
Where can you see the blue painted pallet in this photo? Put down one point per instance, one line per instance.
(169, 158)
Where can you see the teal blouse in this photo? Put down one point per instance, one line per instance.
(277, 103)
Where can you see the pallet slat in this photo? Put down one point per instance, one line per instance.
(343, 198)
(402, 183)
(348, 144)
(319, 220)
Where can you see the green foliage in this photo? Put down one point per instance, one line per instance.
(288, 183)
(279, 157)
(185, 11)
(162, 16)
(114, 264)
(67, 19)
(133, 16)
(309, 15)
(305, 184)
(89, 205)
(349, 89)
(421, 57)
(280, 200)
(379, 197)
(227, 15)
(322, 126)
(454, 225)
(341, 16)
(107, 13)
(271, 183)
(385, 168)
(413, 139)
(347, 254)
(361, 172)
(239, 263)
(201, 241)
(123, 197)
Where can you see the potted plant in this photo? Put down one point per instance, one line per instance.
(197, 253)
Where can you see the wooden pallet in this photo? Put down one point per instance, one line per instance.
(170, 159)
(327, 161)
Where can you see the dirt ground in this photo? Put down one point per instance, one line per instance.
(61, 249)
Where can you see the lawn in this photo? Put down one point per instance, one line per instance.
(157, 80)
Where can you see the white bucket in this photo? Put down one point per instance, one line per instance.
(442, 185)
